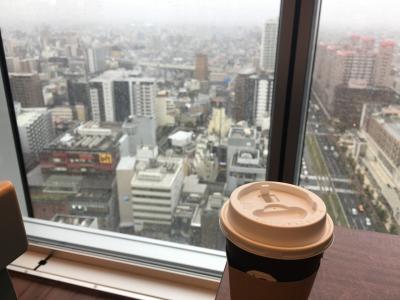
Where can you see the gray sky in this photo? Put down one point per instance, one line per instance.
(356, 13)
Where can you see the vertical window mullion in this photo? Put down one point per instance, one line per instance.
(14, 162)
(296, 43)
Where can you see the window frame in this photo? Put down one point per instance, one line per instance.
(298, 24)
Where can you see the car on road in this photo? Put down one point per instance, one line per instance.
(326, 148)
(361, 208)
(354, 212)
(368, 221)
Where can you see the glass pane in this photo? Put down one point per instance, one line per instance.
(141, 117)
(352, 145)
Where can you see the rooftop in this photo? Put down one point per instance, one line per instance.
(241, 132)
(185, 210)
(75, 220)
(191, 185)
(126, 163)
(87, 137)
(27, 118)
(121, 75)
(156, 174)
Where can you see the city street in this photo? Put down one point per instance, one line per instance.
(324, 173)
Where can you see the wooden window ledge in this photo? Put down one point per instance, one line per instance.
(359, 265)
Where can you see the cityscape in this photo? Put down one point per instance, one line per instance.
(147, 129)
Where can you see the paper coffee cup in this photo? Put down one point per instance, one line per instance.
(276, 235)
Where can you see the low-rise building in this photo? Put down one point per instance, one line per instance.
(156, 189)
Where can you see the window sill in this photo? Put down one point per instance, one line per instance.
(111, 276)
(119, 264)
(359, 265)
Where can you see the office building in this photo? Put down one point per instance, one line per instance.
(88, 149)
(269, 40)
(35, 129)
(97, 58)
(349, 100)
(244, 99)
(384, 64)
(264, 85)
(205, 162)
(356, 64)
(117, 94)
(78, 92)
(220, 123)
(77, 169)
(156, 189)
(201, 67)
(165, 110)
(26, 89)
(62, 114)
(246, 161)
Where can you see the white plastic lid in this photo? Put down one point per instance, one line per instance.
(277, 220)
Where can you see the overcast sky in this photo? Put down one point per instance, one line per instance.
(357, 13)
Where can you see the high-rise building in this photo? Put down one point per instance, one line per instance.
(201, 67)
(35, 129)
(269, 40)
(26, 89)
(78, 92)
(353, 65)
(384, 64)
(96, 58)
(243, 105)
(117, 94)
(263, 98)
(156, 188)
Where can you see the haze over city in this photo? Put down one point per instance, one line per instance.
(142, 117)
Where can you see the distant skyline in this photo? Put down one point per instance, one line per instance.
(340, 13)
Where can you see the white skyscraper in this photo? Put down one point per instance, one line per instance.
(117, 94)
(268, 45)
